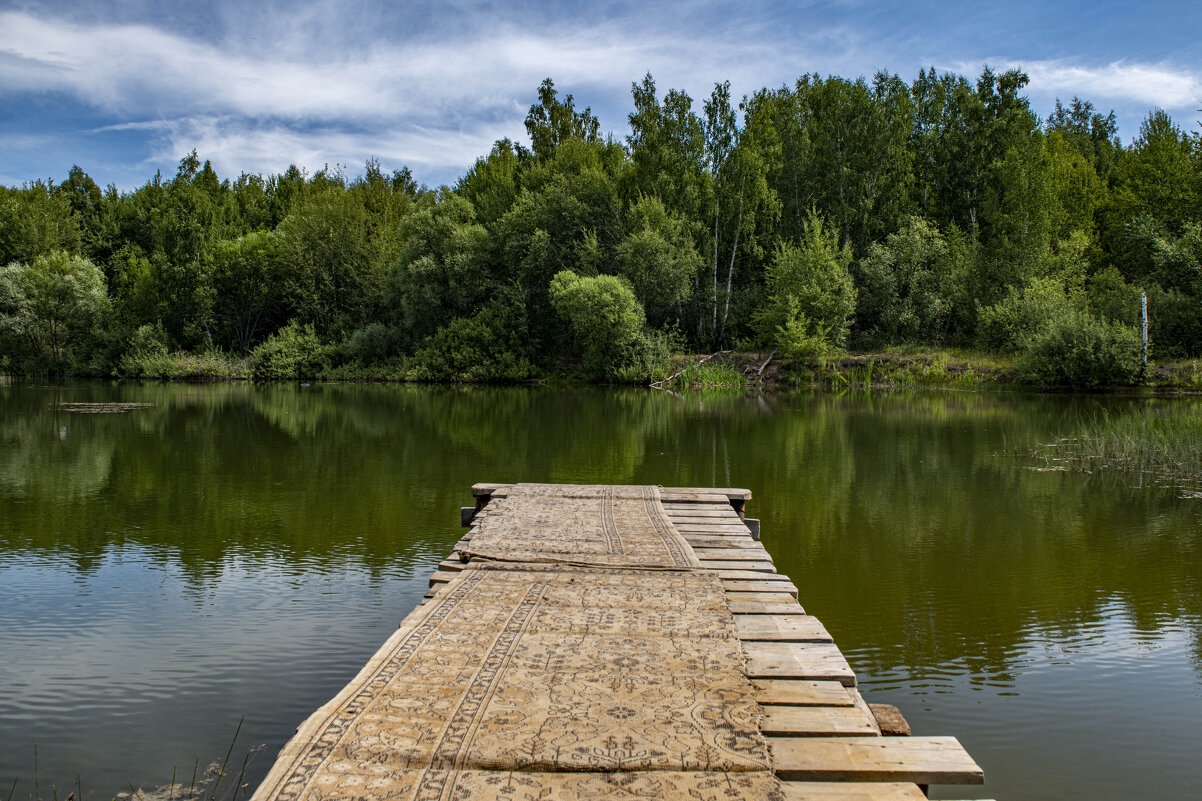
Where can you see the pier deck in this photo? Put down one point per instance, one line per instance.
(609, 642)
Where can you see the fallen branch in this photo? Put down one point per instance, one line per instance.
(679, 373)
(760, 371)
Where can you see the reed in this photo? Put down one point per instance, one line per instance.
(1150, 441)
(710, 375)
(204, 787)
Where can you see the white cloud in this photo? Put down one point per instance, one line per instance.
(235, 145)
(127, 69)
(1147, 85)
(1158, 85)
(266, 85)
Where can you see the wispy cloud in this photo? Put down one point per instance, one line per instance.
(1148, 85)
(232, 144)
(432, 83)
(434, 103)
(1161, 85)
(122, 68)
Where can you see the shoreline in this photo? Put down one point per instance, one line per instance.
(735, 370)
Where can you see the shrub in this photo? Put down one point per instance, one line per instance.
(1112, 298)
(146, 348)
(50, 309)
(1011, 323)
(910, 287)
(603, 314)
(811, 297)
(1080, 350)
(1174, 323)
(373, 343)
(292, 352)
(487, 347)
(648, 358)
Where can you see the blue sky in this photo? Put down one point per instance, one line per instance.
(124, 88)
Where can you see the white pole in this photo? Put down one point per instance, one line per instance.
(1143, 302)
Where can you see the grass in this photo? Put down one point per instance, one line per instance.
(1177, 375)
(183, 366)
(711, 375)
(204, 786)
(906, 367)
(1168, 446)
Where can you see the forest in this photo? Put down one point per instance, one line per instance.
(810, 220)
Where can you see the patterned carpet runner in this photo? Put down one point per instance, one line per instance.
(539, 679)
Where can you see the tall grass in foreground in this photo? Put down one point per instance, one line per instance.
(1166, 446)
(204, 785)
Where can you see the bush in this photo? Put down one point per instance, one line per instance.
(1112, 298)
(1011, 323)
(373, 343)
(603, 314)
(648, 358)
(292, 352)
(911, 287)
(1174, 323)
(487, 347)
(50, 310)
(145, 350)
(1080, 350)
(811, 297)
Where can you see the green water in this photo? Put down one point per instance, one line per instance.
(237, 552)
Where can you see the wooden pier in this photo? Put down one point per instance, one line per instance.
(591, 641)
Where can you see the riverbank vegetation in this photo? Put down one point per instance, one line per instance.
(1146, 442)
(808, 220)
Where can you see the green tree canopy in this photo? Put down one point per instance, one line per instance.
(49, 308)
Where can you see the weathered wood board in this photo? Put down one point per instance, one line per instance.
(922, 760)
(797, 660)
(790, 628)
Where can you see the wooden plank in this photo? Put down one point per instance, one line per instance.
(797, 660)
(862, 705)
(734, 493)
(781, 628)
(818, 721)
(922, 760)
(721, 508)
(692, 519)
(758, 585)
(683, 497)
(731, 533)
(734, 521)
(724, 564)
(751, 575)
(774, 598)
(727, 518)
(801, 692)
(727, 538)
(727, 534)
(718, 542)
(852, 791)
(716, 531)
(733, 554)
(759, 607)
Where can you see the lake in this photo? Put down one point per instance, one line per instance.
(230, 555)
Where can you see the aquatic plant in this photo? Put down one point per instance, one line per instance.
(1149, 441)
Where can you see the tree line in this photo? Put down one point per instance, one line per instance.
(806, 219)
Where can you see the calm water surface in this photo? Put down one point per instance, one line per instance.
(237, 552)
